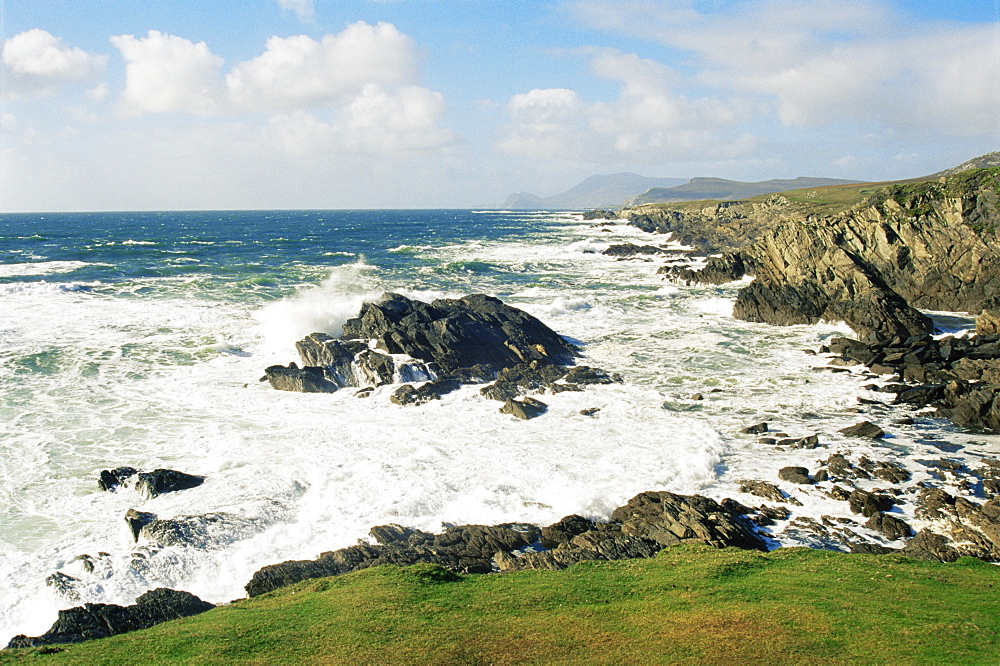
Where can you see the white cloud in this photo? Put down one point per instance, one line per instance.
(37, 62)
(648, 121)
(168, 73)
(354, 91)
(825, 62)
(304, 8)
(298, 71)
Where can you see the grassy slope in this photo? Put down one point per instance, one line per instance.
(690, 604)
(834, 199)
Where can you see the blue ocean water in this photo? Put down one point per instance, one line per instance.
(139, 338)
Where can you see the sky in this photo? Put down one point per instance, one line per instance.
(268, 104)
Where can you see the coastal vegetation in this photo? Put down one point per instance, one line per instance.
(690, 604)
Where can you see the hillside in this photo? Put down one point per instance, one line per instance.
(721, 189)
(608, 191)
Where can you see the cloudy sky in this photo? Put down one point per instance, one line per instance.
(191, 104)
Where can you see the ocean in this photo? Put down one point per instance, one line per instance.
(139, 339)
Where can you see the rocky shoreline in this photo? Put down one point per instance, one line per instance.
(872, 266)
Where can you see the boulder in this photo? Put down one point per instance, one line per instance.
(407, 394)
(113, 478)
(160, 481)
(795, 475)
(524, 409)
(865, 429)
(891, 527)
(768, 491)
(91, 621)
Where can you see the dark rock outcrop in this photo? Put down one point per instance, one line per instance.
(930, 245)
(648, 523)
(111, 479)
(160, 481)
(464, 549)
(91, 621)
(473, 339)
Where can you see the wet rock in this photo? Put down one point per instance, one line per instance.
(563, 531)
(590, 411)
(408, 394)
(524, 409)
(891, 472)
(160, 481)
(891, 527)
(302, 380)
(755, 429)
(136, 520)
(464, 549)
(629, 250)
(795, 475)
(91, 621)
(868, 504)
(865, 429)
(113, 478)
(768, 491)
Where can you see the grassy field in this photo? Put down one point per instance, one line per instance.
(691, 604)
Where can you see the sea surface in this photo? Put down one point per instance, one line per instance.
(139, 339)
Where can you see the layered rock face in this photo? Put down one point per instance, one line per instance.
(930, 245)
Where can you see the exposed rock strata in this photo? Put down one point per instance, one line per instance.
(930, 245)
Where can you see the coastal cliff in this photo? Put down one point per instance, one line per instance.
(869, 255)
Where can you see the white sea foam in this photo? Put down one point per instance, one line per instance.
(41, 268)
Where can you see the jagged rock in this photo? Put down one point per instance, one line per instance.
(927, 545)
(590, 411)
(407, 394)
(302, 380)
(768, 491)
(561, 532)
(891, 527)
(465, 549)
(669, 519)
(136, 520)
(524, 409)
(868, 504)
(865, 429)
(469, 339)
(629, 250)
(717, 270)
(795, 475)
(111, 479)
(91, 621)
(891, 472)
(207, 530)
(755, 429)
(160, 481)
(458, 333)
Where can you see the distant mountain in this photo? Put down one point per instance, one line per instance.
(982, 162)
(609, 191)
(720, 189)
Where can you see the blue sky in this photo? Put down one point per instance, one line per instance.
(457, 103)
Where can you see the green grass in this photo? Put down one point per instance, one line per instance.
(690, 604)
(913, 195)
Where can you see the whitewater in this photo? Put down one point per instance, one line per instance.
(139, 339)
